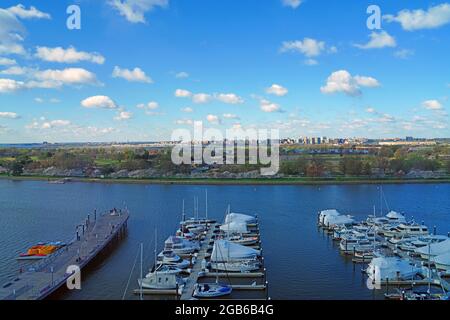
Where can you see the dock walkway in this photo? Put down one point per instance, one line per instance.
(196, 268)
(46, 276)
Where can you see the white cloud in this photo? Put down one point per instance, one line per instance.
(432, 105)
(181, 93)
(15, 71)
(134, 10)
(69, 55)
(277, 90)
(104, 102)
(32, 13)
(60, 123)
(182, 75)
(11, 34)
(45, 125)
(7, 62)
(229, 98)
(343, 81)
(371, 110)
(378, 40)
(366, 81)
(10, 85)
(135, 75)
(201, 98)
(152, 105)
(123, 115)
(308, 47)
(212, 118)
(9, 115)
(311, 62)
(403, 53)
(411, 20)
(268, 106)
(230, 116)
(187, 110)
(55, 78)
(294, 4)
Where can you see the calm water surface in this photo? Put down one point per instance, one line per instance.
(302, 262)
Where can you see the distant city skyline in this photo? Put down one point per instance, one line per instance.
(137, 70)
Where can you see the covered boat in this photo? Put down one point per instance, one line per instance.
(239, 217)
(434, 249)
(327, 213)
(442, 261)
(394, 216)
(239, 227)
(333, 221)
(224, 250)
(391, 268)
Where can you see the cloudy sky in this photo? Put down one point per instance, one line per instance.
(138, 69)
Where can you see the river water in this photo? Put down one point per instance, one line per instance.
(301, 262)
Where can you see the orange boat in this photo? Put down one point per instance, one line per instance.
(41, 250)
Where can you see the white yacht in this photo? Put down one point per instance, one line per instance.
(180, 246)
(169, 258)
(242, 266)
(406, 229)
(243, 240)
(161, 281)
(352, 244)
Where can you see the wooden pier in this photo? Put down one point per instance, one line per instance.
(45, 277)
(196, 268)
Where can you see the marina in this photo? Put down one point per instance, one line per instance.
(214, 251)
(397, 252)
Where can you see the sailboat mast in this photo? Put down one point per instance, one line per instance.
(156, 240)
(206, 210)
(381, 200)
(142, 254)
(183, 218)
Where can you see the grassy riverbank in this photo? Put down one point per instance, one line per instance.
(221, 181)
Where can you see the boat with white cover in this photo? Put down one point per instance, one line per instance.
(229, 256)
(327, 213)
(433, 250)
(391, 268)
(442, 261)
(332, 222)
(235, 227)
(239, 217)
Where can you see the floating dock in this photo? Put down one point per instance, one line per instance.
(197, 268)
(43, 278)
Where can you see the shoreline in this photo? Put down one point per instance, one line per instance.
(223, 181)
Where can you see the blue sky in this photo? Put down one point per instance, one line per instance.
(306, 67)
